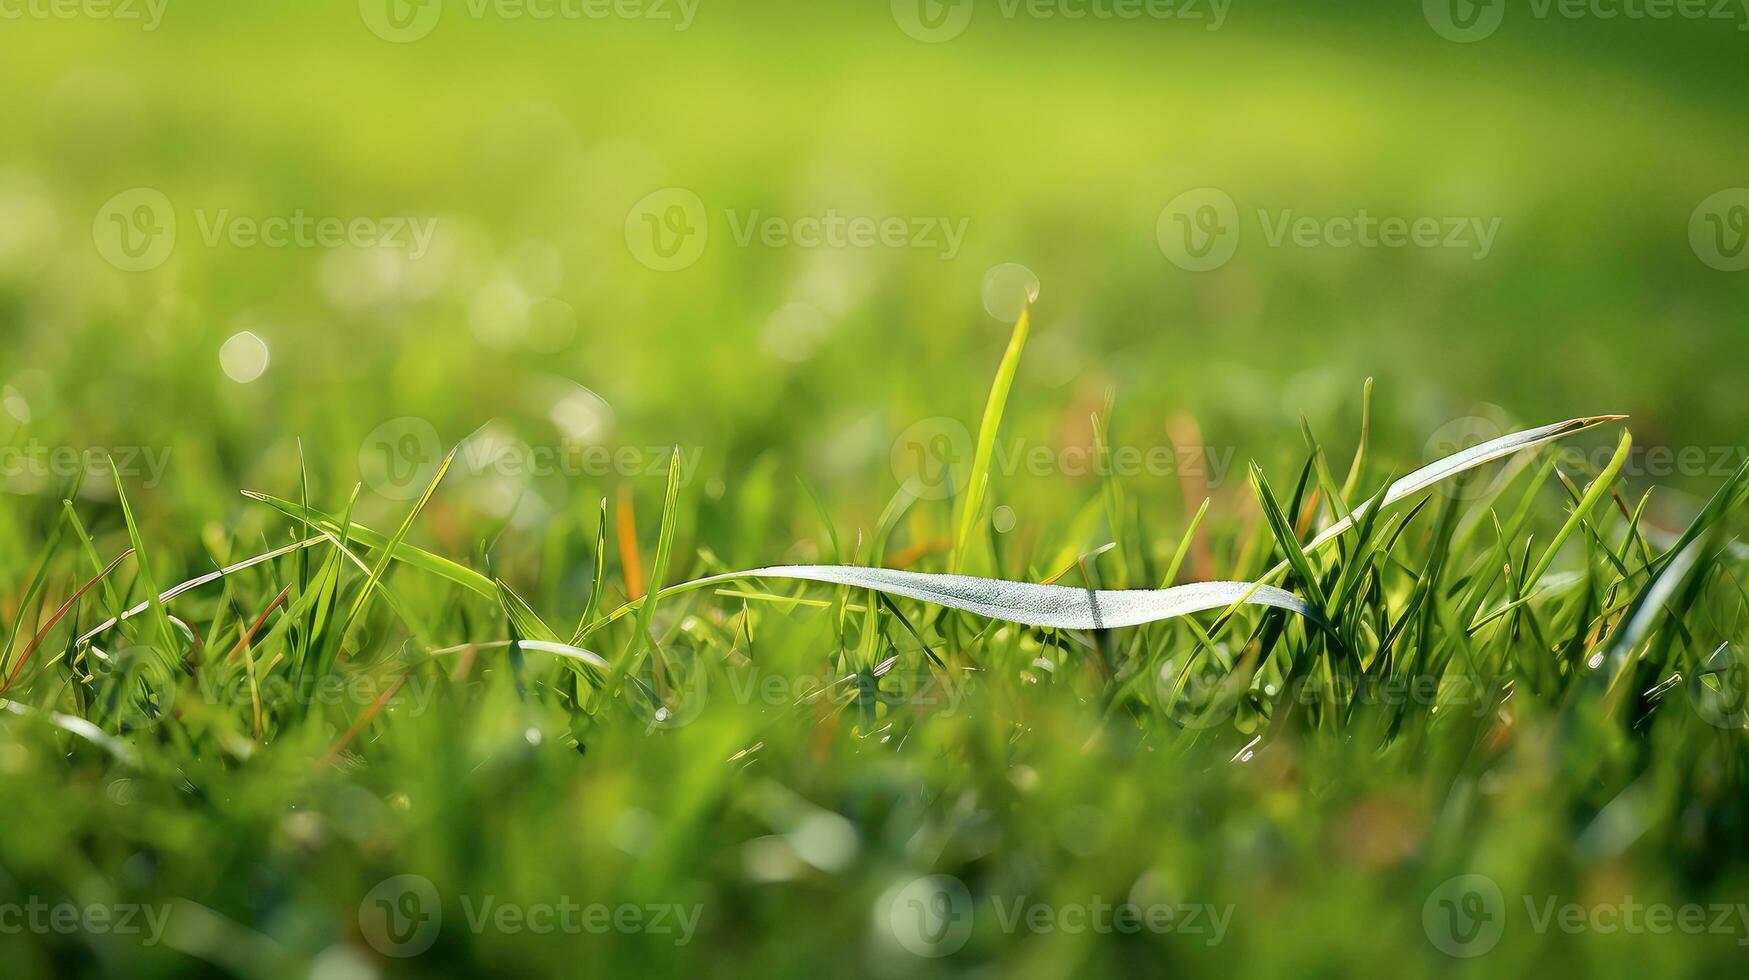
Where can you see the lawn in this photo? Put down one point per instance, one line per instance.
(670, 489)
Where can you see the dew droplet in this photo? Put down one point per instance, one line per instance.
(1004, 519)
(244, 357)
(1007, 289)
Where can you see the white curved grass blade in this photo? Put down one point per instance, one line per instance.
(567, 650)
(577, 653)
(77, 726)
(197, 582)
(1028, 603)
(1444, 469)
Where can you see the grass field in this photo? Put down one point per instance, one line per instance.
(465, 358)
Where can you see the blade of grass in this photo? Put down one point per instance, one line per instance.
(824, 515)
(112, 601)
(1599, 489)
(56, 618)
(523, 617)
(38, 578)
(382, 566)
(646, 606)
(599, 582)
(416, 557)
(1284, 535)
(1443, 469)
(1184, 545)
(1354, 468)
(195, 583)
(1028, 603)
(988, 429)
(154, 603)
(248, 635)
(1114, 498)
(630, 562)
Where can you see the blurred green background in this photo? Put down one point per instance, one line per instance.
(1058, 143)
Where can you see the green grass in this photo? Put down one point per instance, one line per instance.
(1435, 712)
(273, 674)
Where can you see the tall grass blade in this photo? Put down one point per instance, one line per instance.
(1444, 469)
(978, 483)
(382, 565)
(641, 638)
(55, 619)
(154, 603)
(599, 581)
(418, 558)
(1280, 526)
(522, 616)
(1599, 489)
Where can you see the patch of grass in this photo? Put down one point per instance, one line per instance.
(780, 759)
(1379, 713)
